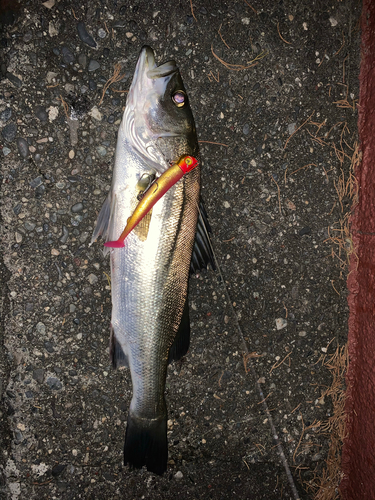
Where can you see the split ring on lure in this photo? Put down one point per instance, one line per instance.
(158, 189)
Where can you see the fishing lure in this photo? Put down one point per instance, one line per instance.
(157, 189)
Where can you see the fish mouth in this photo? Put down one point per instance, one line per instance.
(146, 65)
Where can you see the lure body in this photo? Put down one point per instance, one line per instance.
(153, 194)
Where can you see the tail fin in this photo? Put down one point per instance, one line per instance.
(146, 444)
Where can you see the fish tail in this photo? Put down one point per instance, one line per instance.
(146, 444)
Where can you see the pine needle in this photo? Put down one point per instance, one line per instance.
(114, 78)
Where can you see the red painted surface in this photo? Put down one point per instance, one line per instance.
(358, 457)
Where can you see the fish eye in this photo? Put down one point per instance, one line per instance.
(179, 98)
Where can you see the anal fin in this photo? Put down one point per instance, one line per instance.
(118, 357)
(181, 342)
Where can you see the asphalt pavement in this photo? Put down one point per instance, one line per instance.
(273, 88)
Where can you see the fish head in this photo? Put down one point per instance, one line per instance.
(159, 107)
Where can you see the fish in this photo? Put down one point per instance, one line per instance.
(150, 324)
(148, 199)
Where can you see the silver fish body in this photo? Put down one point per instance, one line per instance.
(149, 276)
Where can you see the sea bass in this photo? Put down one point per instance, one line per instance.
(149, 275)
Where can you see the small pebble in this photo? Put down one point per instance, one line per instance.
(101, 150)
(246, 129)
(41, 328)
(55, 252)
(93, 65)
(40, 113)
(58, 469)
(54, 383)
(85, 36)
(71, 154)
(67, 55)
(38, 375)
(84, 237)
(49, 4)
(29, 226)
(6, 151)
(23, 147)
(305, 231)
(27, 37)
(82, 60)
(92, 279)
(17, 209)
(119, 24)
(65, 235)
(333, 21)
(49, 347)
(95, 113)
(291, 128)
(9, 132)
(14, 79)
(178, 475)
(78, 207)
(6, 114)
(92, 85)
(102, 33)
(281, 323)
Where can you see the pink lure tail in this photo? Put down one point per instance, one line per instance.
(115, 244)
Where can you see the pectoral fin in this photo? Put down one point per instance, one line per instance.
(105, 223)
(102, 223)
